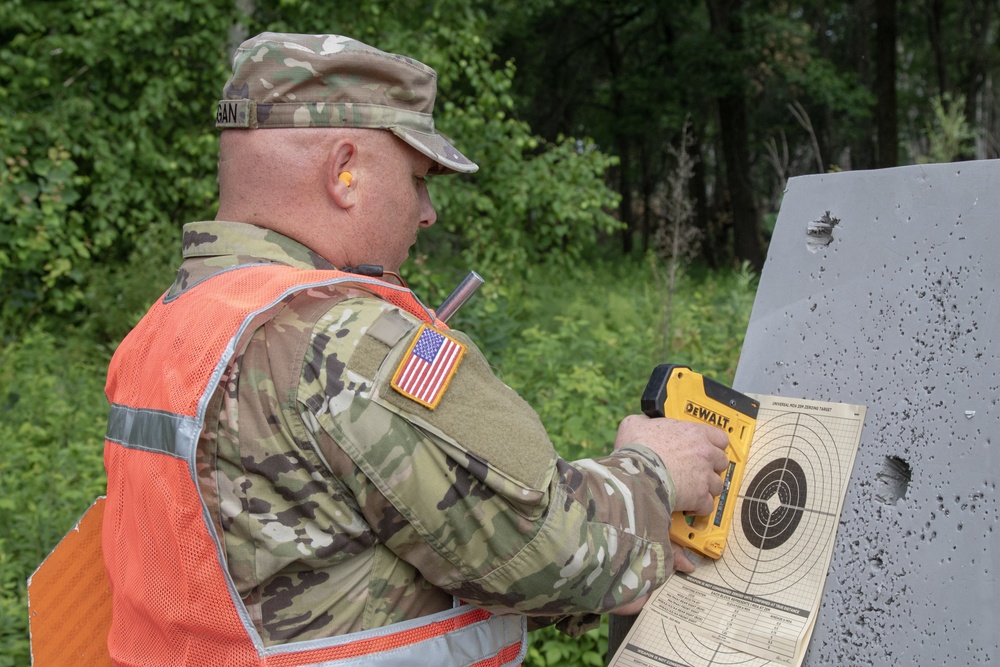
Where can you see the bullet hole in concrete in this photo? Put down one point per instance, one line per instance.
(893, 480)
(820, 232)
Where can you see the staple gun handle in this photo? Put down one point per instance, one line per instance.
(654, 397)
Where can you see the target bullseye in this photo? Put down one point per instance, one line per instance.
(773, 504)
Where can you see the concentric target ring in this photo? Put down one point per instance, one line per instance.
(773, 504)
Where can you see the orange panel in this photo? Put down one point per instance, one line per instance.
(69, 601)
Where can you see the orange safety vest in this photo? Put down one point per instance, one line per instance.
(174, 602)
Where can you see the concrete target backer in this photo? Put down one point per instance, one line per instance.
(882, 288)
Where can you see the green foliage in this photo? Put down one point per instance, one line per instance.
(790, 67)
(949, 136)
(52, 419)
(550, 648)
(118, 295)
(106, 132)
(583, 354)
(108, 136)
(535, 201)
(35, 196)
(710, 326)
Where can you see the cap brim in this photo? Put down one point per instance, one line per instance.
(438, 148)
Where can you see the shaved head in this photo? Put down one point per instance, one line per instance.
(261, 172)
(287, 180)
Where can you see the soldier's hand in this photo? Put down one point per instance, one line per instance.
(693, 453)
(681, 561)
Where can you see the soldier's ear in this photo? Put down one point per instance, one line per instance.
(340, 160)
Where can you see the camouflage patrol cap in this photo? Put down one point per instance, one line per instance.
(288, 80)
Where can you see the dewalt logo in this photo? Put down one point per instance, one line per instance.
(706, 415)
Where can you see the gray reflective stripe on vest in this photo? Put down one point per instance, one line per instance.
(153, 431)
(459, 648)
(177, 436)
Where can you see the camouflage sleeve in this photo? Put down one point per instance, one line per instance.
(471, 492)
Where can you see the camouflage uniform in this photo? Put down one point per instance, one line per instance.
(344, 505)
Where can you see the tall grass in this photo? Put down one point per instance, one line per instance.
(578, 344)
(52, 419)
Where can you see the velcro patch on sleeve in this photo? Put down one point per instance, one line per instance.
(427, 367)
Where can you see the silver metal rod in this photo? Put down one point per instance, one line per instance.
(467, 288)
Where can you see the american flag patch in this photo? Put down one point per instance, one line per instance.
(428, 367)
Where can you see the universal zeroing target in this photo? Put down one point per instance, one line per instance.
(785, 503)
(773, 504)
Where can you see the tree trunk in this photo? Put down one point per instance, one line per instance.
(649, 215)
(978, 19)
(626, 209)
(734, 132)
(935, 17)
(622, 144)
(860, 49)
(886, 120)
(822, 117)
(699, 192)
(736, 155)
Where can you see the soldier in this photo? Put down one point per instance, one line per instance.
(304, 465)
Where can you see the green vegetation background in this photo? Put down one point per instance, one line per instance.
(107, 147)
(576, 343)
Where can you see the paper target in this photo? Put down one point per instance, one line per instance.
(788, 506)
(753, 607)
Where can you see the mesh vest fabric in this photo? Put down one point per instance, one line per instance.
(174, 602)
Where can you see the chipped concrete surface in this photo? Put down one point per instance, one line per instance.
(901, 312)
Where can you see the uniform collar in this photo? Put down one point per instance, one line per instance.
(235, 242)
(214, 246)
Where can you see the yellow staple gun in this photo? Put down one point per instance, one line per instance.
(680, 393)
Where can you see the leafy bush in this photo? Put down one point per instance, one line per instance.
(550, 648)
(949, 137)
(600, 322)
(106, 133)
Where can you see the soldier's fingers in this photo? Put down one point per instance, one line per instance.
(718, 438)
(632, 608)
(681, 561)
(706, 505)
(715, 486)
(720, 462)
